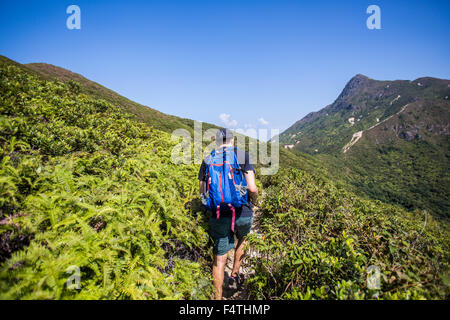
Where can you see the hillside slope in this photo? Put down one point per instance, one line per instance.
(388, 139)
(155, 118)
(323, 242)
(87, 190)
(84, 186)
(152, 117)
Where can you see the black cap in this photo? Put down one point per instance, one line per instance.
(224, 135)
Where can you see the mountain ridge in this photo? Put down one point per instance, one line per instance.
(354, 87)
(146, 114)
(384, 120)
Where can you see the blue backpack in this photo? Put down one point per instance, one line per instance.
(226, 187)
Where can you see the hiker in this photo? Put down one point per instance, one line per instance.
(228, 189)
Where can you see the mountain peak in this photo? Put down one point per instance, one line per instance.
(358, 80)
(360, 76)
(354, 85)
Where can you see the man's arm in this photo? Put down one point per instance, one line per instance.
(251, 184)
(202, 186)
(201, 178)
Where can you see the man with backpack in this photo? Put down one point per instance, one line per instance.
(228, 189)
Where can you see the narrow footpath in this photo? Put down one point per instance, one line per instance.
(241, 292)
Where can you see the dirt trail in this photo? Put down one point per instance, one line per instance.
(241, 292)
(356, 136)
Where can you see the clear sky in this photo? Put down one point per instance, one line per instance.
(275, 60)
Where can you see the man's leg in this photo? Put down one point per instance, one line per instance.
(218, 273)
(243, 226)
(223, 242)
(238, 256)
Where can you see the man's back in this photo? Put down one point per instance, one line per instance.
(243, 158)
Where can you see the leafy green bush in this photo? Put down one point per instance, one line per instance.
(319, 242)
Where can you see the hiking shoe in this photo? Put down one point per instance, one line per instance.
(233, 281)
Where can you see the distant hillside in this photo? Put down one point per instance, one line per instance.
(363, 103)
(151, 116)
(389, 139)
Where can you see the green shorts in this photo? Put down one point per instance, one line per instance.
(223, 236)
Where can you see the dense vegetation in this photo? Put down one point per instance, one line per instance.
(319, 241)
(414, 173)
(84, 184)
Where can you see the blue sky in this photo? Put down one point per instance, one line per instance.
(275, 60)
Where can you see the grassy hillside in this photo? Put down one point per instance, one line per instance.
(389, 140)
(84, 184)
(411, 158)
(155, 118)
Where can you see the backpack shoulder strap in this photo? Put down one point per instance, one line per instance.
(208, 160)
